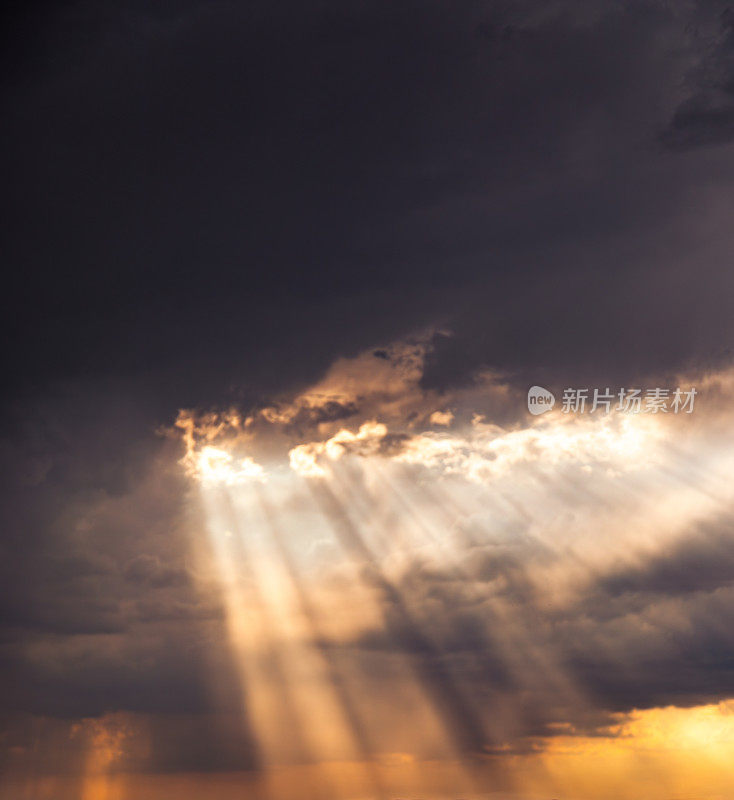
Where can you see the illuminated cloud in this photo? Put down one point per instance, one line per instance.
(493, 590)
(355, 567)
(441, 418)
(537, 564)
(219, 466)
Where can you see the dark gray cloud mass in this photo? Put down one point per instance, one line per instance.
(207, 203)
(205, 186)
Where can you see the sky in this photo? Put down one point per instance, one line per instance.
(276, 519)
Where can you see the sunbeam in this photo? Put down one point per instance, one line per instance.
(446, 563)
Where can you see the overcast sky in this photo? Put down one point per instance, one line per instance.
(211, 204)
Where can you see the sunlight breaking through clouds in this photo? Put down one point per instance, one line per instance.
(451, 588)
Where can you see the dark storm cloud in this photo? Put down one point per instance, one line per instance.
(706, 116)
(654, 634)
(98, 605)
(210, 201)
(214, 185)
(702, 562)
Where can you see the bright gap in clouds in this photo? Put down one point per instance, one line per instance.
(408, 583)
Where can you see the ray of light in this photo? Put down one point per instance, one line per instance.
(325, 568)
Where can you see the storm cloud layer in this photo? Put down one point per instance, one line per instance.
(207, 186)
(338, 239)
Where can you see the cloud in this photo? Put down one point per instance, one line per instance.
(551, 566)
(706, 116)
(150, 571)
(244, 213)
(539, 573)
(527, 206)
